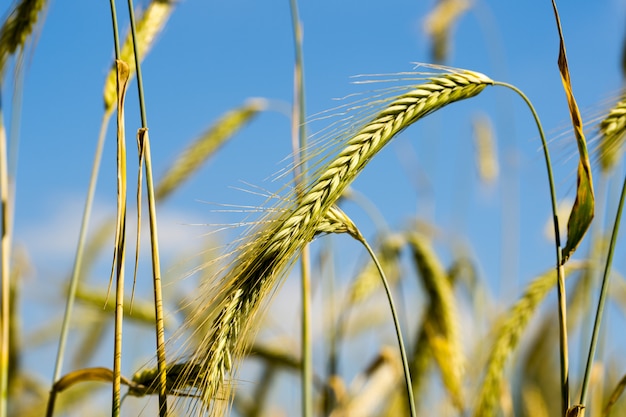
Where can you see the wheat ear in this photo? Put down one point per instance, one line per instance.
(17, 27)
(508, 334)
(441, 327)
(260, 264)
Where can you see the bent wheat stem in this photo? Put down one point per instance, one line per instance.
(563, 351)
(261, 263)
(396, 323)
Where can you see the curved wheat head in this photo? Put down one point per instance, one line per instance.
(261, 261)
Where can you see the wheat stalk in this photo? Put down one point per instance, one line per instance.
(368, 280)
(150, 24)
(260, 264)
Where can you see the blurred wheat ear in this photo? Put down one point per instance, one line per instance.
(18, 27)
(441, 324)
(507, 335)
(612, 133)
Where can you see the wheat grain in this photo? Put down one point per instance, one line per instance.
(257, 269)
(17, 27)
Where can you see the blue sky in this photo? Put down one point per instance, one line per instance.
(213, 55)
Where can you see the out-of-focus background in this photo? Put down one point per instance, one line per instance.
(212, 56)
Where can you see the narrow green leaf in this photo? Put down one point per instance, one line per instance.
(583, 209)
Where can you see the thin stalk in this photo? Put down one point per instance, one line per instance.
(119, 258)
(5, 248)
(158, 293)
(299, 141)
(9, 163)
(144, 146)
(78, 260)
(119, 252)
(559, 268)
(396, 322)
(8, 206)
(142, 106)
(603, 293)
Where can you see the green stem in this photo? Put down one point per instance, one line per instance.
(299, 145)
(7, 183)
(78, 260)
(142, 106)
(396, 322)
(144, 146)
(601, 301)
(158, 293)
(119, 306)
(116, 39)
(559, 268)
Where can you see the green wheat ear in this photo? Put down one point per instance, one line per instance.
(263, 260)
